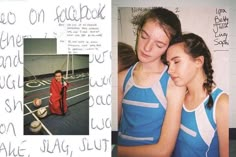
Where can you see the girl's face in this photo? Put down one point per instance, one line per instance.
(58, 77)
(182, 67)
(152, 42)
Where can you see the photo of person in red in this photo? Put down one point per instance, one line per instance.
(58, 94)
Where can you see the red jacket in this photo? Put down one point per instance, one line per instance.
(56, 104)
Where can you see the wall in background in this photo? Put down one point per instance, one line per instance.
(40, 57)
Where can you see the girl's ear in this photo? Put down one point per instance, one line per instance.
(199, 61)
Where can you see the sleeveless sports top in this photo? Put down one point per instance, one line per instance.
(143, 110)
(198, 134)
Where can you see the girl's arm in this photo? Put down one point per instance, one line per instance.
(222, 123)
(121, 78)
(169, 132)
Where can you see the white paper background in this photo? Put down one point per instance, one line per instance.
(98, 142)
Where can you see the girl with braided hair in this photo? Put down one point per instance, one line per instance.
(204, 120)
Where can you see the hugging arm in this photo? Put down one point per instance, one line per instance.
(121, 78)
(169, 132)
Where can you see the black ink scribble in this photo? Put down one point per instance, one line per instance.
(10, 82)
(100, 124)
(11, 40)
(36, 17)
(98, 144)
(13, 104)
(220, 28)
(100, 100)
(103, 81)
(83, 12)
(11, 149)
(54, 146)
(7, 129)
(99, 57)
(8, 18)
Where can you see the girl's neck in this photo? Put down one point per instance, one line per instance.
(196, 92)
(196, 85)
(155, 67)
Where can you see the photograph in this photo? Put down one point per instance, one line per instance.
(169, 82)
(56, 90)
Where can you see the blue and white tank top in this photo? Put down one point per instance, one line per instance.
(144, 109)
(198, 134)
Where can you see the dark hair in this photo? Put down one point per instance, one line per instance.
(126, 56)
(167, 20)
(195, 47)
(58, 71)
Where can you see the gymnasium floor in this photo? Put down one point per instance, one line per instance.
(232, 148)
(76, 120)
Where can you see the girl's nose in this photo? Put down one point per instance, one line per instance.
(170, 69)
(148, 46)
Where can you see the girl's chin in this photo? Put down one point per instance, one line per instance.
(179, 84)
(143, 60)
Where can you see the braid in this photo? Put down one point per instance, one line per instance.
(209, 81)
(197, 47)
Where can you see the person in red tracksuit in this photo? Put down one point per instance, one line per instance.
(58, 94)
